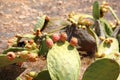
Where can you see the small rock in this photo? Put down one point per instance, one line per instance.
(34, 22)
(1, 13)
(33, 10)
(22, 17)
(60, 2)
(26, 24)
(17, 10)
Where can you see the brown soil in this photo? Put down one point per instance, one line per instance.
(20, 16)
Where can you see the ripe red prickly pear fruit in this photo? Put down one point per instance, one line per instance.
(55, 37)
(11, 55)
(31, 42)
(63, 36)
(74, 41)
(49, 43)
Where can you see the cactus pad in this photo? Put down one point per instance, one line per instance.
(96, 10)
(63, 62)
(106, 27)
(118, 77)
(15, 49)
(43, 75)
(4, 61)
(103, 69)
(108, 49)
(40, 23)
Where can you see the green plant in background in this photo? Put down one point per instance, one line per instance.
(60, 46)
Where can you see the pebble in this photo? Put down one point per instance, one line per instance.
(34, 22)
(60, 2)
(22, 17)
(1, 13)
(27, 24)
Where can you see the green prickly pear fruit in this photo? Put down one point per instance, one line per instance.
(55, 37)
(11, 55)
(49, 43)
(23, 54)
(32, 74)
(108, 41)
(32, 57)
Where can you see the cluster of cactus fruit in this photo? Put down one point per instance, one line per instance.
(62, 47)
(62, 37)
(26, 54)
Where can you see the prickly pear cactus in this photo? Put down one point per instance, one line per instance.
(4, 61)
(43, 48)
(91, 32)
(75, 18)
(63, 62)
(43, 75)
(13, 49)
(106, 27)
(108, 48)
(96, 10)
(40, 23)
(118, 77)
(103, 69)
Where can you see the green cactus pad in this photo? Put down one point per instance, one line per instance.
(14, 49)
(107, 28)
(108, 49)
(99, 29)
(91, 32)
(63, 62)
(43, 75)
(56, 24)
(118, 77)
(103, 69)
(29, 36)
(118, 37)
(4, 61)
(96, 10)
(40, 23)
(43, 48)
